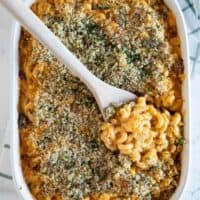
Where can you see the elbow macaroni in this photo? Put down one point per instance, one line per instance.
(142, 132)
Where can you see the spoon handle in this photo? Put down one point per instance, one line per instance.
(36, 27)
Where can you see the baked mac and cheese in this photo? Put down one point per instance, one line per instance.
(65, 152)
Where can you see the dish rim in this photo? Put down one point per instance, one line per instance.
(18, 179)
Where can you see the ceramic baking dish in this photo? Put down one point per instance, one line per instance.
(15, 143)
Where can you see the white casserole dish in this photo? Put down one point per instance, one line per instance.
(15, 143)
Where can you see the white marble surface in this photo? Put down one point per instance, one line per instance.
(7, 192)
(5, 24)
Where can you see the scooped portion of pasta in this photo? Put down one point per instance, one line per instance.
(148, 135)
(145, 133)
